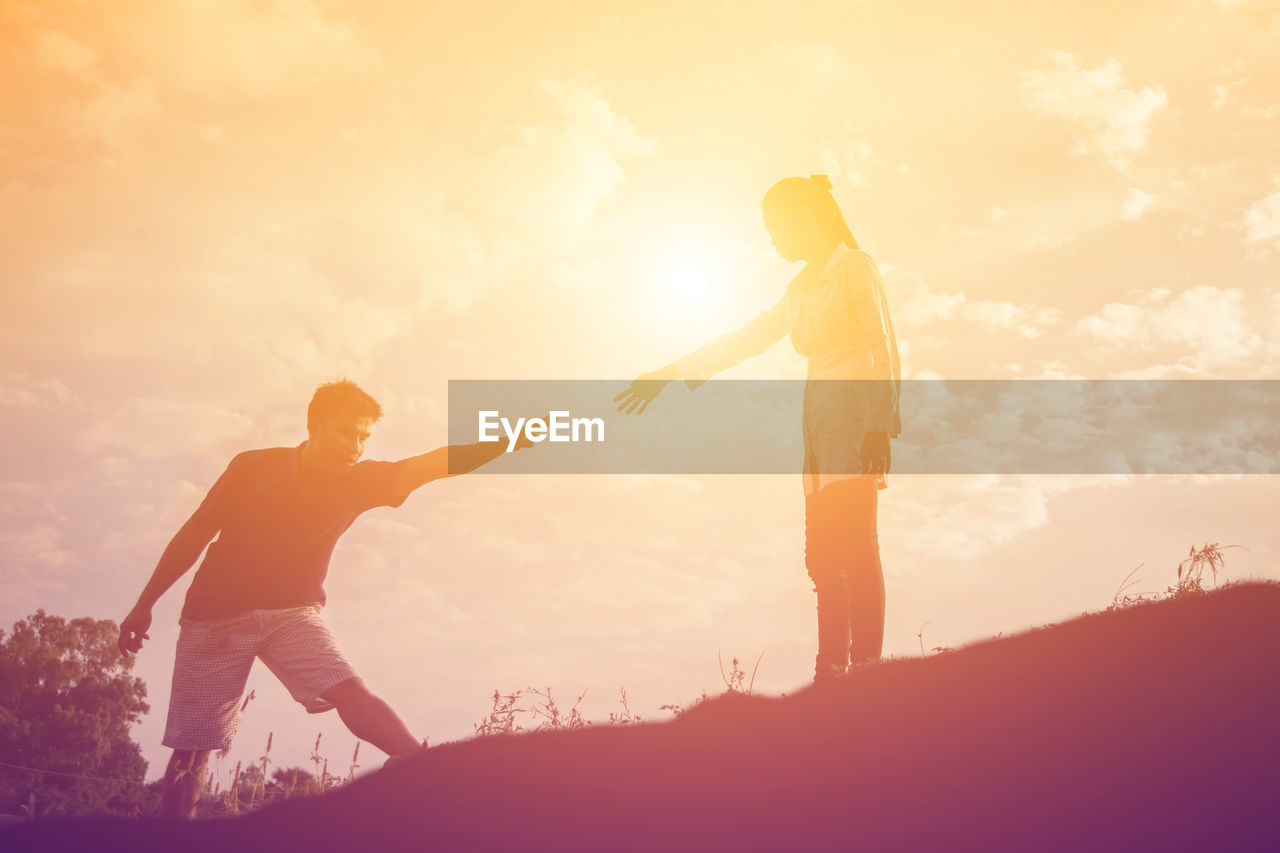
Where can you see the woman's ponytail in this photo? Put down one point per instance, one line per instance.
(827, 208)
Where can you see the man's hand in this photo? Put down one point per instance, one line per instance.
(522, 438)
(133, 630)
(875, 453)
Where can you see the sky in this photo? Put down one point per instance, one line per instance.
(208, 208)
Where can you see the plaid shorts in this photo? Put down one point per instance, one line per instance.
(212, 667)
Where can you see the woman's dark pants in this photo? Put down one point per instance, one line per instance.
(842, 555)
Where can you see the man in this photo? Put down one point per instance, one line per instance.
(277, 514)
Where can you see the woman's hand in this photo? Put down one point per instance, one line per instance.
(643, 390)
(876, 458)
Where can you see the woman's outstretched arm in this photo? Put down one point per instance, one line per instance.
(756, 336)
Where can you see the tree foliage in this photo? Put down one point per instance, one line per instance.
(67, 702)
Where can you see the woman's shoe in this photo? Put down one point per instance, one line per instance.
(827, 672)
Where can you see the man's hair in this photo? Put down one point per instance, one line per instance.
(340, 397)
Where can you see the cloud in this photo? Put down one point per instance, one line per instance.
(112, 114)
(1222, 93)
(1037, 224)
(31, 501)
(22, 391)
(1026, 320)
(1262, 11)
(1262, 220)
(1265, 113)
(242, 48)
(918, 305)
(204, 268)
(964, 517)
(1135, 204)
(22, 588)
(1209, 322)
(37, 542)
(151, 428)
(124, 81)
(562, 169)
(1016, 427)
(1224, 96)
(1115, 118)
(55, 50)
(1056, 369)
(819, 62)
(39, 546)
(850, 162)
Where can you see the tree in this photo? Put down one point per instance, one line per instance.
(67, 702)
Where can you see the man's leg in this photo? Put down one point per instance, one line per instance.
(370, 718)
(302, 652)
(183, 782)
(210, 668)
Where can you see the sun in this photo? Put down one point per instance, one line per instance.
(690, 280)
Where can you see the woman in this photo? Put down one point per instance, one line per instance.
(836, 314)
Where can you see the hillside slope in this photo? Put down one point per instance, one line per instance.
(1149, 728)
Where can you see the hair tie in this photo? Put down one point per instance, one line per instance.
(822, 181)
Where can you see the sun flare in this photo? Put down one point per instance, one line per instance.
(690, 281)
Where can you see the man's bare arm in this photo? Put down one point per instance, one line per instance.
(178, 557)
(449, 462)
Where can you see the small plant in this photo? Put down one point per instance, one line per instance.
(542, 711)
(679, 709)
(736, 680)
(502, 716)
(1191, 570)
(920, 637)
(1190, 581)
(287, 789)
(1123, 597)
(263, 761)
(548, 713)
(625, 717)
(320, 783)
(355, 758)
(233, 794)
(937, 650)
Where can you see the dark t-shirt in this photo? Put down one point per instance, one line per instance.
(277, 531)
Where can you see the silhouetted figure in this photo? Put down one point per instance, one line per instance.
(836, 314)
(277, 514)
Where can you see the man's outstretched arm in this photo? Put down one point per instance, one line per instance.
(179, 556)
(449, 461)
